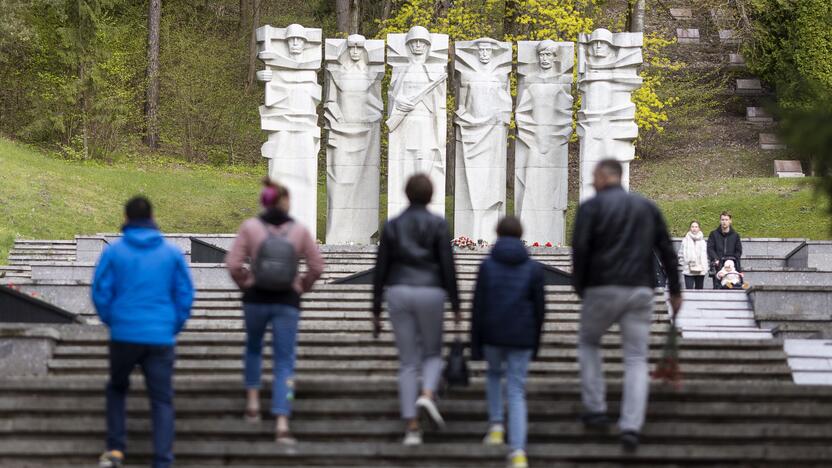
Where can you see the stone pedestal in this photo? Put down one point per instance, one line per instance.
(482, 117)
(26, 351)
(292, 56)
(607, 75)
(417, 119)
(353, 112)
(544, 124)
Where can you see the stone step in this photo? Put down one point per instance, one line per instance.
(376, 367)
(202, 453)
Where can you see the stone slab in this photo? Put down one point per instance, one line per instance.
(728, 37)
(736, 62)
(758, 115)
(749, 87)
(26, 351)
(808, 348)
(769, 141)
(788, 168)
(687, 36)
(681, 13)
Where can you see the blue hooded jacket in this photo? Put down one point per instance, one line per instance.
(142, 287)
(508, 299)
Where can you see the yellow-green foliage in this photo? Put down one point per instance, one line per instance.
(650, 106)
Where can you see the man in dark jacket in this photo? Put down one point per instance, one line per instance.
(143, 292)
(724, 242)
(506, 323)
(615, 236)
(415, 272)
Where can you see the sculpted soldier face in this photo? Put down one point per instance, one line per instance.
(418, 46)
(296, 45)
(485, 52)
(356, 53)
(546, 58)
(601, 48)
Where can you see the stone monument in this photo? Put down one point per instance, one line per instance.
(544, 124)
(482, 118)
(292, 56)
(417, 114)
(353, 109)
(607, 75)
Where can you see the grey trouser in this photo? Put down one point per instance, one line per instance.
(632, 309)
(416, 313)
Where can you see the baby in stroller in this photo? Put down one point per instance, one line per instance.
(729, 277)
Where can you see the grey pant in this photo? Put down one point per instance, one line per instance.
(632, 309)
(416, 314)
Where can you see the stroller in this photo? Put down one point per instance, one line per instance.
(713, 272)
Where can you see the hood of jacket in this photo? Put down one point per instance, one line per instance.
(142, 235)
(510, 251)
(725, 234)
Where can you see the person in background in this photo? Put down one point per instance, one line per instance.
(724, 242)
(615, 235)
(142, 291)
(693, 257)
(415, 273)
(506, 324)
(264, 305)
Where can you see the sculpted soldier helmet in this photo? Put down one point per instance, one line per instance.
(295, 30)
(547, 45)
(356, 40)
(601, 34)
(417, 33)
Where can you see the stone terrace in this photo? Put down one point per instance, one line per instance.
(738, 405)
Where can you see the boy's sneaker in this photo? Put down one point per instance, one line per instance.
(595, 421)
(629, 441)
(517, 459)
(427, 407)
(412, 438)
(496, 435)
(111, 459)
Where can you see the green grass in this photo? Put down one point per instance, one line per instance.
(42, 197)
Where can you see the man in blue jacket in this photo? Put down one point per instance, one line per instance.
(506, 323)
(143, 292)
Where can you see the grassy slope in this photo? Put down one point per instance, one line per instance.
(46, 198)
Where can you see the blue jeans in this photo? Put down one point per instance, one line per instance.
(513, 363)
(284, 320)
(157, 365)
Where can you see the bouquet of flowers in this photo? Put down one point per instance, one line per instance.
(464, 243)
(667, 369)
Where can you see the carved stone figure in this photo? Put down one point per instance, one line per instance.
(607, 75)
(482, 118)
(353, 109)
(544, 124)
(417, 114)
(292, 56)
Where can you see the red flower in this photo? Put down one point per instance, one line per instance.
(667, 369)
(536, 244)
(548, 244)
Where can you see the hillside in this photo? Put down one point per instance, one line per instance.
(44, 197)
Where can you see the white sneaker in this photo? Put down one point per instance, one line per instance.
(496, 435)
(517, 459)
(412, 438)
(426, 406)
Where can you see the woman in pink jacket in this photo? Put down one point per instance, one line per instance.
(265, 305)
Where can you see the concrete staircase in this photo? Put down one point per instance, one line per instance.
(737, 407)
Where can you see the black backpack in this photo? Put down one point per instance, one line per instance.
(276, 264)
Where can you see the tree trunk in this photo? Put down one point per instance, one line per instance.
(252, 44)
(386, 8)
(509, 16)
(635, 19)
(342, 15)
(355, 16)
(242, 23)
(152, 103)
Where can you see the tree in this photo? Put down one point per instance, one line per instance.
(154, 17)
(252, 43)
(635, 16)
(342, 15)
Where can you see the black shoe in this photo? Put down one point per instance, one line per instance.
(629, 441)
(595, 421)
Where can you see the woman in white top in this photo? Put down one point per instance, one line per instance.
(693, 257)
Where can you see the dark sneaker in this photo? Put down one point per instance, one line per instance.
(595, 421)
(629, 441)
(111, 459)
